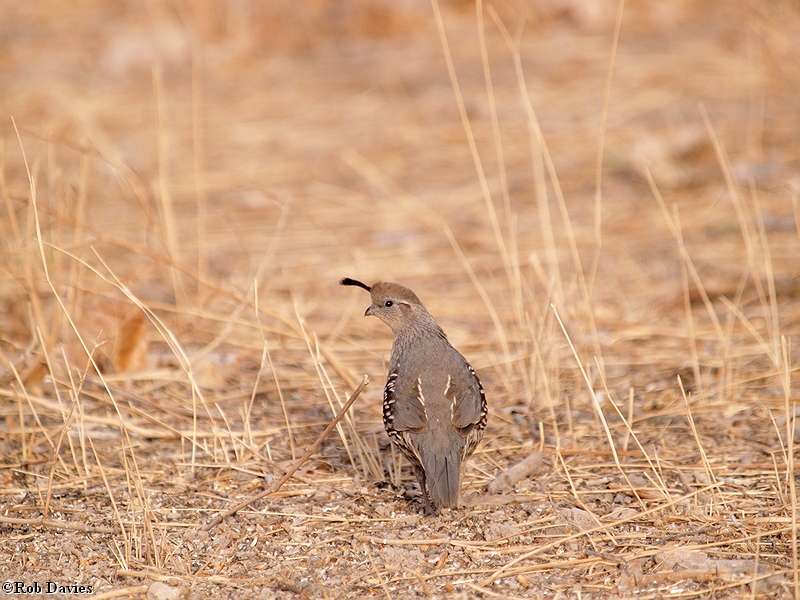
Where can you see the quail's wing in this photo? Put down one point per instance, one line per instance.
(403, 403)
(468, 402)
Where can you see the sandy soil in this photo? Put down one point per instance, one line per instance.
(185, 183)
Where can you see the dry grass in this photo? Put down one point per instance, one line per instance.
(602, 213)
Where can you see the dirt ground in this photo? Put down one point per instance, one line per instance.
(598, 201)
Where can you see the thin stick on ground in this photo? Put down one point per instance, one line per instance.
(300, 462)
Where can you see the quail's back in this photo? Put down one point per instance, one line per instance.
(434, 407)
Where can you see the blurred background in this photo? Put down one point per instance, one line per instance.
(188, 144)
(184, 183)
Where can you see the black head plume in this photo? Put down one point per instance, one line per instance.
(355, 282)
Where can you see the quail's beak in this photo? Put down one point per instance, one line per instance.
(368, 311)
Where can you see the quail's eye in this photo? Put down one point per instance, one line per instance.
(388, 303)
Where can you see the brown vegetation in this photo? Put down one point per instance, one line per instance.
(183, 186)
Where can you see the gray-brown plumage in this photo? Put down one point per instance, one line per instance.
(434, 408)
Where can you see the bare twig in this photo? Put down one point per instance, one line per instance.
(300, 462)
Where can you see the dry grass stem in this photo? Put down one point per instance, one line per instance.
(298, 463)
(597, 201)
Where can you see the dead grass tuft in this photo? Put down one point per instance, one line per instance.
(598, 201)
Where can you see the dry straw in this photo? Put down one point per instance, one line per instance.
(609, 232)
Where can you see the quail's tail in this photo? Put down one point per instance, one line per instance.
(443, 478)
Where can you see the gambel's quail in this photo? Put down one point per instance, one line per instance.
(434, 408)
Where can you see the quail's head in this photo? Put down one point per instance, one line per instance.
(395, 305)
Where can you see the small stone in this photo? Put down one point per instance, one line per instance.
(162, 591)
